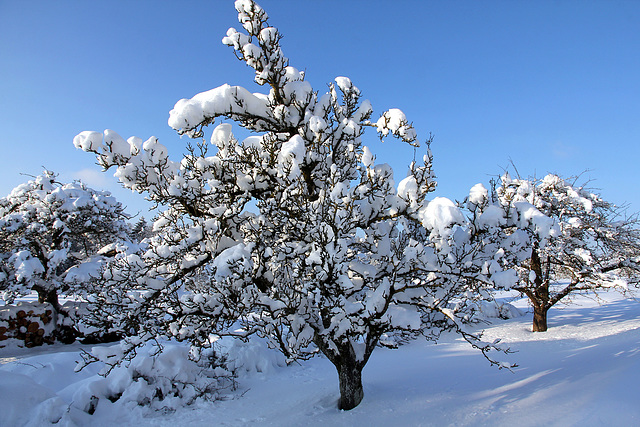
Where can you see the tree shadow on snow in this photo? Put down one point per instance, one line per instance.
(572, 378)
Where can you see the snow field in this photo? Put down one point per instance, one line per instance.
(583, 371)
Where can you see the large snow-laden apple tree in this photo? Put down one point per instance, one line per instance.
(47, 230)
(574, 240)
(294, 233)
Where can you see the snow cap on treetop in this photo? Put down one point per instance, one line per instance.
(478, 195)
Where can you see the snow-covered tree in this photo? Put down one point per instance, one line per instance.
(141, 230)
(47, 229)
(295, 233)
(577, 242)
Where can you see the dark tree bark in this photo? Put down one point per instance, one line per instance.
(350, 377)
(540, 318)
(63, 333)
(349, 371)
(538, 292)
(50, 296)
(540, 297)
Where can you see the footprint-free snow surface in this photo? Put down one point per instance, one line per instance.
(584, 371)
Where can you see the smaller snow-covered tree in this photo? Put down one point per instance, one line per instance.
(47, 229)
(141, 230)
(577, 242)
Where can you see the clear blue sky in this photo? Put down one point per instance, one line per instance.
(552, 85)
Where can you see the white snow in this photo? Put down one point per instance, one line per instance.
(478, 194)
(291, 155)
(189, 113)
(223, 263)
(583, 371)
(440, 215)
(492, 216)
(88, 140)
(408, 188)
(367, 156)
(394, 120)
(543, 225)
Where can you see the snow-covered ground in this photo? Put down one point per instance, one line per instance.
(584, 371)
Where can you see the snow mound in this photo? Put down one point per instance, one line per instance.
(164, 381)
(498, 310)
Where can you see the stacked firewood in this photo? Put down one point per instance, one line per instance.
(29, 323)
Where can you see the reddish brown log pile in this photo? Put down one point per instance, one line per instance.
(28, 322)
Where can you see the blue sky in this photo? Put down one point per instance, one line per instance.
(553, 86)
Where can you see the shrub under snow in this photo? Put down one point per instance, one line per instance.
(162, 380)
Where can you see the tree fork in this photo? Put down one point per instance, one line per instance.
(541, 294)
(349, 373)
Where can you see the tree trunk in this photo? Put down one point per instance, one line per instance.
(49, 296)
(540, 319)
(350, 376)
(540, 300)
(349, 367)
(63, 333)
